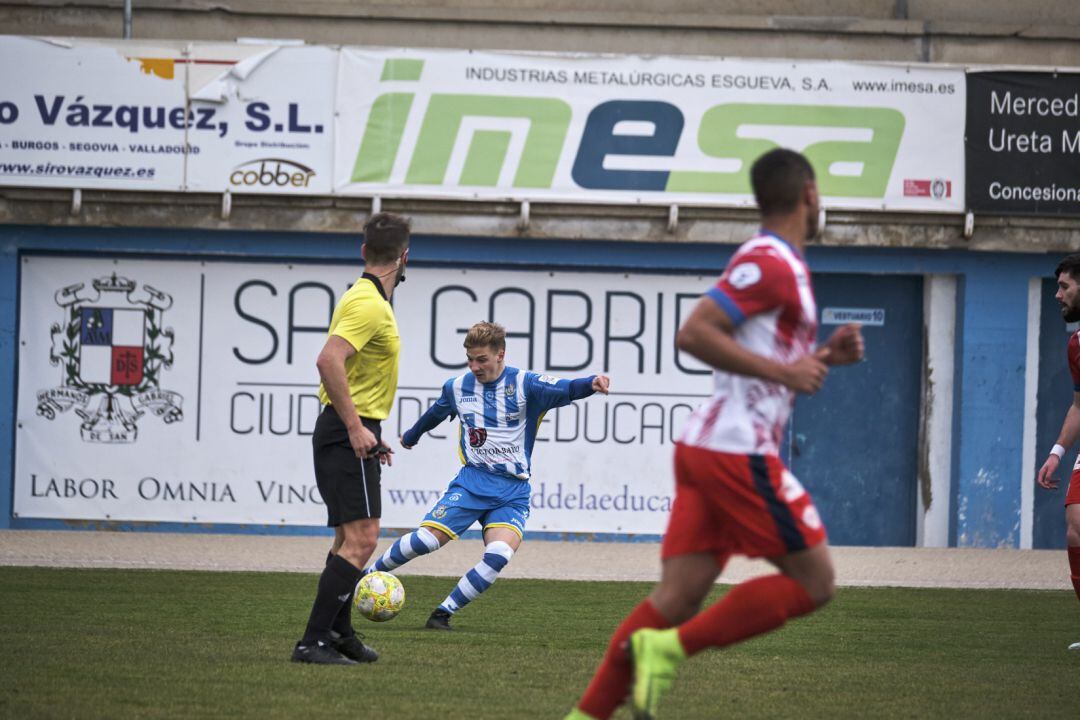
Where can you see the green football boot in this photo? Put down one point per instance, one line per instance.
(577, 714)
(657, 655)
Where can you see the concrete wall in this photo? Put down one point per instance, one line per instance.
(954, 31)
(973, 485)
(971, 478)
(1038, 34)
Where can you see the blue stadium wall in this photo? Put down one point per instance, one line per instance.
(991, 355)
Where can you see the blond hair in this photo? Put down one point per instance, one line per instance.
(486, 334)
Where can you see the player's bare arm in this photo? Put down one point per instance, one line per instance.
(707, 335)
(1070, 433)
(601, 384)
(844, 347)
(331, 365)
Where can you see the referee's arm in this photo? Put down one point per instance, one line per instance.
(331, 365)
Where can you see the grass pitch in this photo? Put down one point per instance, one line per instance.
(141, 643)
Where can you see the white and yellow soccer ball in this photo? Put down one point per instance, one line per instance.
(379, 596)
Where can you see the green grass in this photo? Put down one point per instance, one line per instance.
(140, 643)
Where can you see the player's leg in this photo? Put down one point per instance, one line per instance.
(777, 520)
(1072, 534)
(329, 626)
(362, 536)
(343, 621)
(1072, 541)
(421, 541)
(657, 654)
(768, 513)
(351, 490)
(339, 540)
(762, 604)
(813, 570)
(690, 545)
(610, 684)
(751, 608)
(358, 539)
(503, 533)
(342, 571)
(450, 516)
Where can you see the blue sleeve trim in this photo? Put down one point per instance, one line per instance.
(1076, 388)
(728, 305)
(581, 387)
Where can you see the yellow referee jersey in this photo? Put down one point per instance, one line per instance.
(364, 318)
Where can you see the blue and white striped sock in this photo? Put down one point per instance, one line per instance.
(480, 578)
(419, 542)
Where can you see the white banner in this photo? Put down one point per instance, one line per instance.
(86, 114)
(314, 120)
(627, 129)
(277, 106)
(186, 391)
(166, 116)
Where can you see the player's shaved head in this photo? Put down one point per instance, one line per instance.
(486, 334)
(779, 178)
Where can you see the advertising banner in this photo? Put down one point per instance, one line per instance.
(277, 106)
(186, 391)
(312, 120)
(461, 124)
(1023, 142)
(84, 114)
(166, 116)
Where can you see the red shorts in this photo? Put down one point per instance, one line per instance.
(746, 504)
(1073, 496)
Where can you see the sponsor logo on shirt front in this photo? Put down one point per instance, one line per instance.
(477, 437)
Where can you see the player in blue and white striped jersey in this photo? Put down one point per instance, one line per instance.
(500, 409)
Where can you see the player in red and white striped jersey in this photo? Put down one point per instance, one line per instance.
(1068, 295)
(757, 329)
(768, 302)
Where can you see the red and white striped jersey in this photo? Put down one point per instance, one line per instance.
(766, 292)
(1074, 359)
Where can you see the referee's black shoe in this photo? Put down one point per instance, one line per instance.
(439, 620)
(318, 652)
(353, 647)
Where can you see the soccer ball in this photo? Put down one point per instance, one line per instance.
(379, 596)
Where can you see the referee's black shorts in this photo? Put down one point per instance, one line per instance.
(349, 486)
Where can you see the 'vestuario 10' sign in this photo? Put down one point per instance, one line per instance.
(210, 416)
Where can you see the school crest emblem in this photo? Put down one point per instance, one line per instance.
(112, 347)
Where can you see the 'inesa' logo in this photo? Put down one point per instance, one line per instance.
(271, 172)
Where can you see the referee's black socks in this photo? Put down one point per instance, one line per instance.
(336, 585)
(343, 622)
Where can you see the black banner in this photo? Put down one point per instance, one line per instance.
(1022, 143)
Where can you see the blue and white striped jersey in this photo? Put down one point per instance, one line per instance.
(500, 419)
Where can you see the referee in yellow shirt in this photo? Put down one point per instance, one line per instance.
(358, 367)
